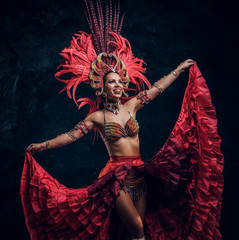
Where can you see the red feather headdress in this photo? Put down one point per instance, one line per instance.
(91, 56)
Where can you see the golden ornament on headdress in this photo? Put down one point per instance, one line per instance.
(99, 68)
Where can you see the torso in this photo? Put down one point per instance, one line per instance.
(119, 132)
(113, 131)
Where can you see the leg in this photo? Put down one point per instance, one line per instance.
(141, 205)
(129, 215)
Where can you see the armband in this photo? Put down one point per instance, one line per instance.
(143, 97)
(79, 126)
(71, 135)
(83, 127)
(158, 87)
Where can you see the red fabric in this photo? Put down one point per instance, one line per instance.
(117, 161)
(184, 178)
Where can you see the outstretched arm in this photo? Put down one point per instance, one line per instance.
(158, 87)
(166, 81)
(80, 130)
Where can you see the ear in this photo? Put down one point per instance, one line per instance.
(104, 95)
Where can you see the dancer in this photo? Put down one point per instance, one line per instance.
(163, 198)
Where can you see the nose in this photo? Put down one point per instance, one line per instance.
(118, 83)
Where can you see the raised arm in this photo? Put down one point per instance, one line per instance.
(80, 130)
(158, 87)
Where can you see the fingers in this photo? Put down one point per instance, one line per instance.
(189, 62)
(31, 149)
(186, 64)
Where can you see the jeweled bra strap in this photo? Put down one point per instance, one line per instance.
(128, 111)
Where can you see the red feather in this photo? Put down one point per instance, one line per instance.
(84, 48)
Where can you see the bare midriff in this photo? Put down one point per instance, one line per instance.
(121, 151)
(124, 147)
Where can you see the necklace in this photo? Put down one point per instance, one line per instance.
(113, 107)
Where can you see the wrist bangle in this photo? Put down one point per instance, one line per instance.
(48, 145)
(175, 73)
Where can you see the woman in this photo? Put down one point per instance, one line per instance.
(172, 208)
(127, 145)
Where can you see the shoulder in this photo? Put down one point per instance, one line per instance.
(130, 104)
(138, 101)
(96, 116)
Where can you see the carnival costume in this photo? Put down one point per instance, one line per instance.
(183, 180)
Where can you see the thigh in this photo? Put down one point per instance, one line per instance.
(126, 210)
(140, 205)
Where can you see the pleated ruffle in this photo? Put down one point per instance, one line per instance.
(54, 211)
(196, 128)
(190, 206)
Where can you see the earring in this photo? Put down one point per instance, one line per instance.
(104, 95)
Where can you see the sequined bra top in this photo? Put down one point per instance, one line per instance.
(114, 131)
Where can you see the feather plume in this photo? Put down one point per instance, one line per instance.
(84, 48)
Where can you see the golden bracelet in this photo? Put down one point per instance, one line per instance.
(175, 73)
(158, 87)
(48, 145)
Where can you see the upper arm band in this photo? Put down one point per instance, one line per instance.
(143, 97)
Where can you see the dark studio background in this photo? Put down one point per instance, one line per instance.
(163, 33)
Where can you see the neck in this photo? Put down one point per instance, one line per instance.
(113, 107)
(114, 101)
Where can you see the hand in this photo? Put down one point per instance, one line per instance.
(35, 147)
(184, 65)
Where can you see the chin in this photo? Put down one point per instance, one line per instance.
(115, 97)
(118, 96)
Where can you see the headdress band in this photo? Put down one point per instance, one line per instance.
(99, 68)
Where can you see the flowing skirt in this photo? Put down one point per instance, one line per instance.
(184, 179)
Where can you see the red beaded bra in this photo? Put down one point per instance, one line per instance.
(114, 131)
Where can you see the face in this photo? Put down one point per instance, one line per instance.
(113, 86)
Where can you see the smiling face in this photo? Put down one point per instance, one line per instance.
(113, 87)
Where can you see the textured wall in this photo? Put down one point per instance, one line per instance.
(163, 33)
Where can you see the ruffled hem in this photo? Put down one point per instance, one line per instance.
(185, 179)
(196, 128)
(54, 211)
(198, 209)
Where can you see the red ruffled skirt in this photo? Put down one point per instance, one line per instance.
(184, 179)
